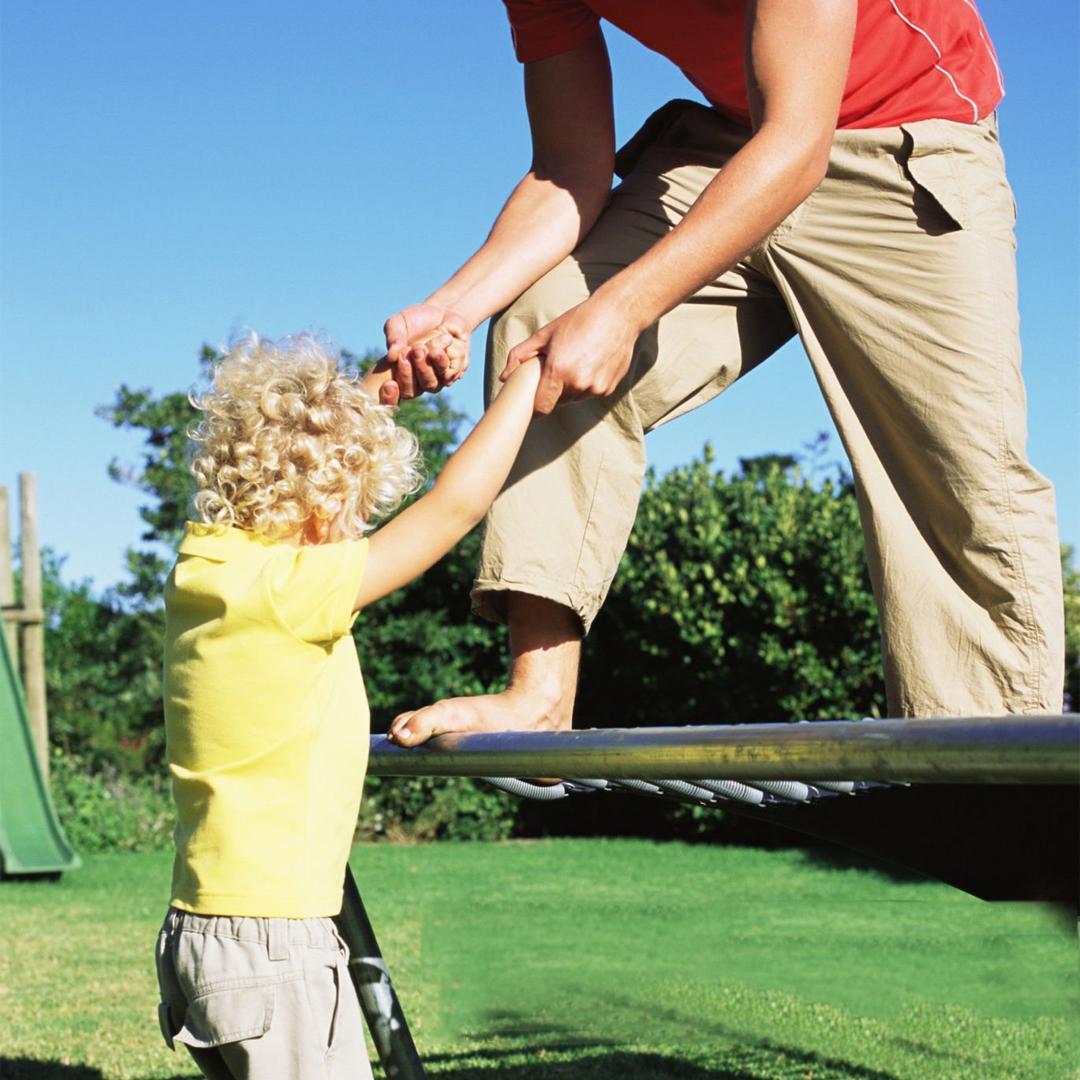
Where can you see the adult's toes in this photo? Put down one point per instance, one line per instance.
(398, 725)
(424, 724)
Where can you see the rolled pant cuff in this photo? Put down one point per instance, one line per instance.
(488, 599)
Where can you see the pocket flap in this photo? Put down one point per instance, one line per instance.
(225, 1016)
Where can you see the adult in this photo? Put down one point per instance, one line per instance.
(847, 185)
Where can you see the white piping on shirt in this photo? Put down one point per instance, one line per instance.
(933, 45)
(989, 48)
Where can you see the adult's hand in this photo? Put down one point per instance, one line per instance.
(584, 353)
(427, 347)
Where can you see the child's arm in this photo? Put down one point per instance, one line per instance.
(466, 487)
(376, 376)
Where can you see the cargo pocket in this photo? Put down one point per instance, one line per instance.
(928, 161)
(171, 1004)
(168, 1026)
(653, 131)
(322, 994)
(225, 1016)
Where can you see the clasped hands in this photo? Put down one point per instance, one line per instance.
(584, 353)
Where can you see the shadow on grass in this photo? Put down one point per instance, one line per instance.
(625, 1064)
(29, 1069)
(588, 1062)
(519, 1048)
(25, 1069)
(835, 857)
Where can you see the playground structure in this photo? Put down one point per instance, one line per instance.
(31, 839)
(996, 750)
(989, 805)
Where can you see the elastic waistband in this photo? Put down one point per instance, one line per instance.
(276, 934)
(681, 126)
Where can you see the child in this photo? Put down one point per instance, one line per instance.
(265, 713)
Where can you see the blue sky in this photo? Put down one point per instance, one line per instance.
(170, 174)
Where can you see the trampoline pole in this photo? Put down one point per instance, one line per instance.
(378, 1001)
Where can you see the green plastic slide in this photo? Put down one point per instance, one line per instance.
(31, 840)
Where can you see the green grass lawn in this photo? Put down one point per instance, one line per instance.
(588, 959)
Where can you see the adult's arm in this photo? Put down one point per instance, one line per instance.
(797, 55)
(568, 99)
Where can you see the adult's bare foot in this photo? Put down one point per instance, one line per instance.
(515, 709)
(545, 646)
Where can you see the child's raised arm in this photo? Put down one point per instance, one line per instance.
(466, 487)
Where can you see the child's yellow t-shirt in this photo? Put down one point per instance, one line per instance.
(266, 722)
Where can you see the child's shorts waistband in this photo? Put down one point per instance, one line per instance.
(275, 933)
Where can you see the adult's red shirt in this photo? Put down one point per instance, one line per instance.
(911, 60)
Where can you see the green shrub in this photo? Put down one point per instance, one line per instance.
(739, 600)
(103, 675)
(435, 808)
(104, 809)
(1072, 629)
(420, 644)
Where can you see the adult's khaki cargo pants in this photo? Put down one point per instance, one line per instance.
(898, 274)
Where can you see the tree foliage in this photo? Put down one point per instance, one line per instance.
(162, 473)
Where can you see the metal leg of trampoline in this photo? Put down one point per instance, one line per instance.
(378, 1001)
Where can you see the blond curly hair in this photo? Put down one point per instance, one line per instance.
(289, 436)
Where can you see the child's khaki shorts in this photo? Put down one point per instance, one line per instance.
(260, 999)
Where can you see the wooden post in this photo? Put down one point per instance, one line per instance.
(7, 578)
(33, 641)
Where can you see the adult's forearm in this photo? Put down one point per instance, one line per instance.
(541, 223)
(763, 183)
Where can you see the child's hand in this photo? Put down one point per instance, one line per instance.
(435, 361)
(427, 347)
(445, 351)
(586, 353)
